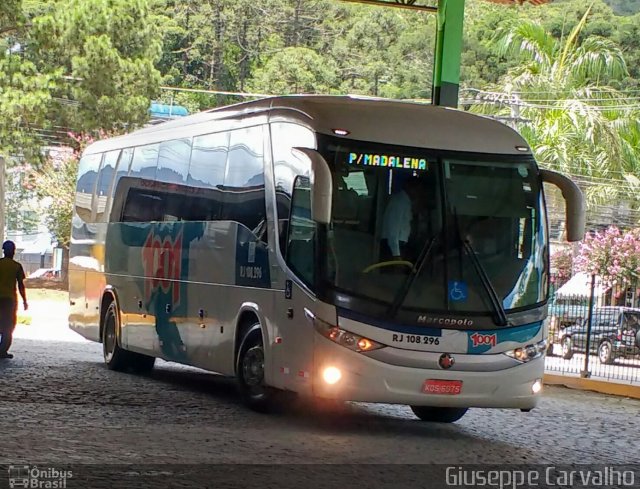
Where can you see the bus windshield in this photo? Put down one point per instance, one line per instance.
(416, 232)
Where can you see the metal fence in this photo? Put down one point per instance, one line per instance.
(595, 334)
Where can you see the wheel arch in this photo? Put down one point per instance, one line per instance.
(248, 315)
(109, 296)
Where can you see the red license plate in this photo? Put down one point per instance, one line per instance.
(442, 387)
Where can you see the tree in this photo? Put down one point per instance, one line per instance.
(574, 120)
(79, 64)
(561, 266)
(21, 210)
(25, 92)
(106, 49)
(611, 254)
(295, 70)
(55, 183)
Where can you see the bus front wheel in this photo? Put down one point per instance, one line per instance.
(250, 373)
(115, 357)
(438, 414)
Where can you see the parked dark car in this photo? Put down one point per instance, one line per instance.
(615, 333)
(564, 312)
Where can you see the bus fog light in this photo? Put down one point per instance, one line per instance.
(537, 386)
(331, 375)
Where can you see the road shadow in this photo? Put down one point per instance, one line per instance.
(315, 414)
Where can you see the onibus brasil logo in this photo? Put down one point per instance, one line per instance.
(38, 478)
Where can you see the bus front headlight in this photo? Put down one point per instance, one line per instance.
(529, 352)
(345, 338)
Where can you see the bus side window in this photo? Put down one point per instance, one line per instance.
(244, 196)
(302, 230)
(145, 162)
(117, 188)
(173, 168)
(105, 182)
(142, 206)
(207, 169)
(88, 169)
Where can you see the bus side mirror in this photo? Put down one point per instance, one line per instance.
(576, 208)
(321, 186)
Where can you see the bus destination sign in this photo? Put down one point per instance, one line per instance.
(389, 161)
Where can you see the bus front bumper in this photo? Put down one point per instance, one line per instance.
(367, 380)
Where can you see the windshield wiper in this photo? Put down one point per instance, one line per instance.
(501, 319)
(500, 315)
(415, 271)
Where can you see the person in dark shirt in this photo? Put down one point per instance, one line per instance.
(11, 274)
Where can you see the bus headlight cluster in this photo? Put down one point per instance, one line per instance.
(529, 352)
(345, 338)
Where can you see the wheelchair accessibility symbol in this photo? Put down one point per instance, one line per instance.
(458, 291)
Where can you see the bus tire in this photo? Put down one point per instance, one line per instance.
(438, 414)
(250, 373)
(115, 357)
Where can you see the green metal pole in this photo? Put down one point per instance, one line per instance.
(446, 69)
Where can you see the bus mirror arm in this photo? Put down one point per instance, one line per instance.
(321, 186)
(575, 204)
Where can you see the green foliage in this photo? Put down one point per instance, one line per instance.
(55, 182)
(96, 64)
(321, 46)
(569, 111)
(624, 7)
(295, 70)
(76, 64)
(108, 49)
(24, 92)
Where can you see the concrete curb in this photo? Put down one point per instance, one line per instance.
(604, 387)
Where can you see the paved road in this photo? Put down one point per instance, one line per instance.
(60, 405)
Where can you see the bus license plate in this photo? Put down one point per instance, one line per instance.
(443, 387)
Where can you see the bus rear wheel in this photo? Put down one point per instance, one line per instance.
(115, 357)
(438, 414)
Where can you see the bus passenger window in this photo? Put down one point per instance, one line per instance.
(244, 195)
(87, 176)
(104, 186)
(208, 160)
(145, 162)
(142, 207)
(173, 161)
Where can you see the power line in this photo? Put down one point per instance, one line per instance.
(514, 99)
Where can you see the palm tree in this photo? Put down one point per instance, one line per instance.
(565, 107)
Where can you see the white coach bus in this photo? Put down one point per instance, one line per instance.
(340, 247)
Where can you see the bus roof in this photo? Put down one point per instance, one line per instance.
(365, 118)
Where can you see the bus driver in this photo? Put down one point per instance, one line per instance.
(396, 223)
